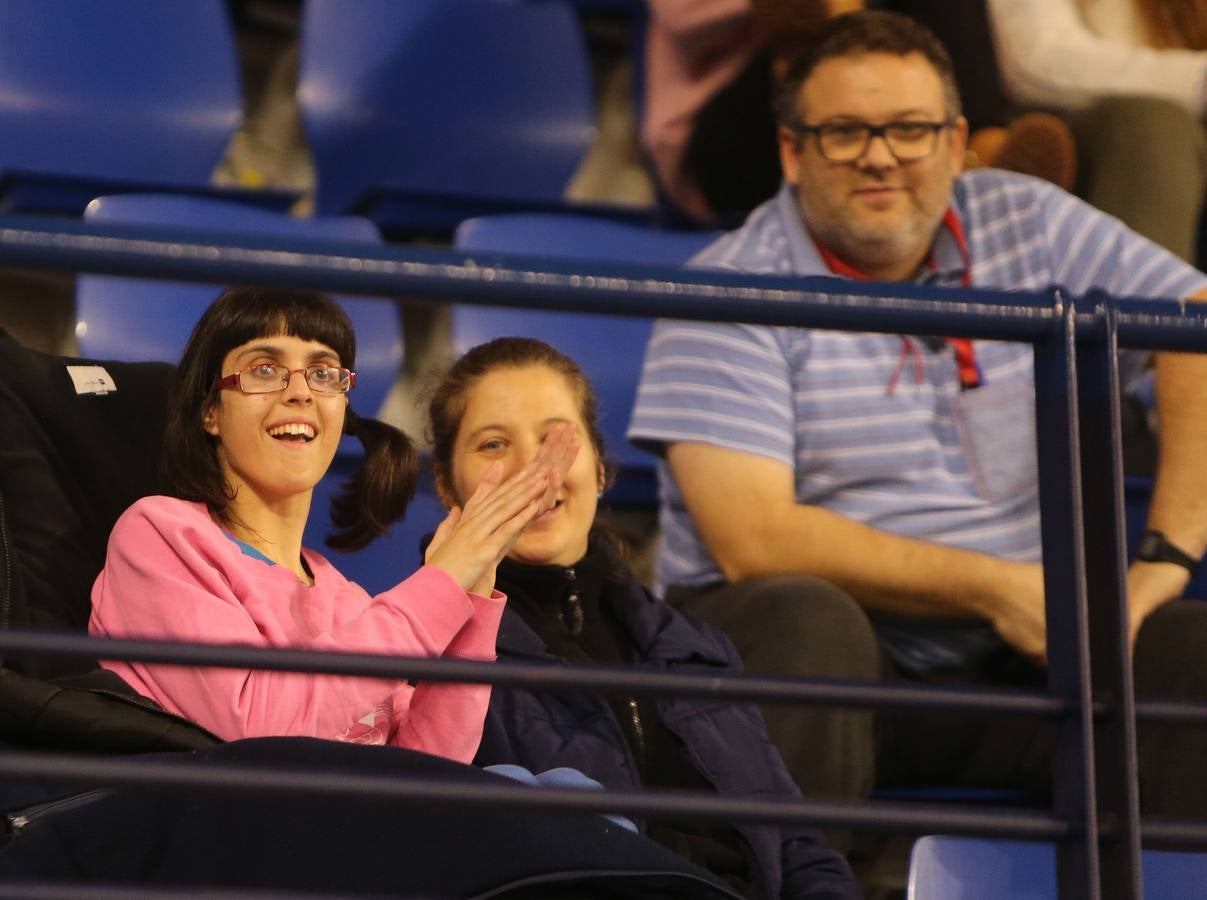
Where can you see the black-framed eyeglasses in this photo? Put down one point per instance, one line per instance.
(267, 378)
(908, 140)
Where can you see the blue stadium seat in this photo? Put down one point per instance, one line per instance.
(423, 113)
(951, 868)
(608, 348)
(103, 100)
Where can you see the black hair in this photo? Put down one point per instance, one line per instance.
(378, 492)
(857, 33)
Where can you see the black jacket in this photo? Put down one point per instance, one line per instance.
(727, 742)
(70, 463)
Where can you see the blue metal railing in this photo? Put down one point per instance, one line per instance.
(1076, 342)
(605, 679)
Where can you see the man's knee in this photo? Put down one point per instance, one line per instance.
(795, 624)
(1171, 652)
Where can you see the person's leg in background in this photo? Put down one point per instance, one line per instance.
(1144, 160)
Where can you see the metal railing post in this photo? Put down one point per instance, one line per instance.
(1101, 437)
(1056, 420)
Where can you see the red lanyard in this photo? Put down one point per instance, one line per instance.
(970, 372)
(965, 352)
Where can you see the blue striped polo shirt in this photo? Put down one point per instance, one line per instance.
(876, 426)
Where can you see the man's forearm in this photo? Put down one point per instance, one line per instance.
(1179, 504)
(885, 571)
(745, 510)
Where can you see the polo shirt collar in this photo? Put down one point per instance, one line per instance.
(949, 253)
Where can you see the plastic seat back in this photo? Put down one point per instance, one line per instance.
(608, 348)
(948, 868)
(145, 94)
(480, 99)
(951, 868)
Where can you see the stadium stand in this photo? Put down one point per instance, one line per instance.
(433, 275)
(466, 173)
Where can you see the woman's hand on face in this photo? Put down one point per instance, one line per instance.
(472, 540)
(559, 449)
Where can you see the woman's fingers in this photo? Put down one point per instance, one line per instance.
(443, 530)
(541, 477)
(491, 479)
(474, 545)
(509, 531)
(511, 494)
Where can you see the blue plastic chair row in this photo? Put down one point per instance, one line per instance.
(420, 114)
(424, 113)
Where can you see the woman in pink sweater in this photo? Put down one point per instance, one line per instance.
(257, 411)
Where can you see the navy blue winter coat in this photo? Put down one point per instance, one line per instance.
(726, 741)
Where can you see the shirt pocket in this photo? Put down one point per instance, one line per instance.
(996, 427)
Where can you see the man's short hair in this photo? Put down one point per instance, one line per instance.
(857, 33)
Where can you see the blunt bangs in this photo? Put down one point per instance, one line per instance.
(244, 314)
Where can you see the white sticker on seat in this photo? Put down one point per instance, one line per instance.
(91, 379)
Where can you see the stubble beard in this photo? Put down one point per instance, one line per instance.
(868, 246)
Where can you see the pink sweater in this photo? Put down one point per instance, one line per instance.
(172, 573)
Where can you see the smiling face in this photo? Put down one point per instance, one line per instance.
(275, 447)
(877, 214)
(508, 413)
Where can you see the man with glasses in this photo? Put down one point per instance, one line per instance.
(865, 505)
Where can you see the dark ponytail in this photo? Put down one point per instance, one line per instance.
(379, 491)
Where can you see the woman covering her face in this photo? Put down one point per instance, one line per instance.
(257, 411)
(572, 598)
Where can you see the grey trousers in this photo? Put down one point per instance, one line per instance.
(801, 626)
(1144, 160)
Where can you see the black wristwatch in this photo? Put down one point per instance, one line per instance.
(1155, 547)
